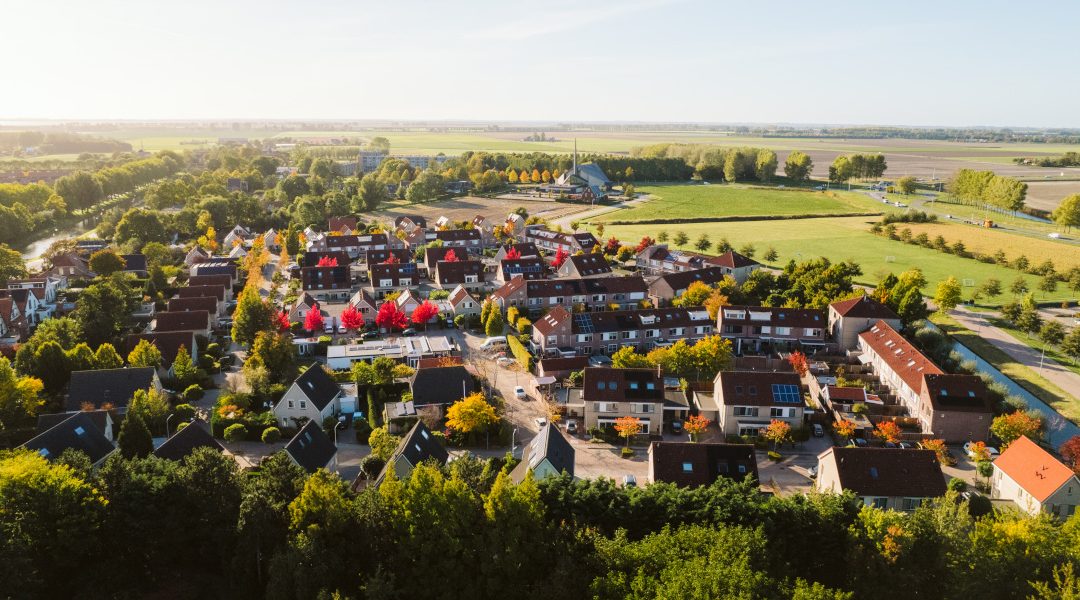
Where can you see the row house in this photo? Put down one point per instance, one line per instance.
(761, 329)
(849, 318)
(327, 283)
(342, 225)
(458, 238)
(433, 255)
(585, 265)
(669, 286)
(13, 325)
(606, 332)
(748, 401)
(217, 266)
(955, 408)
(353, 245)
(658, 259)
(468, 273)
(886, 478)
(207, 303)
(553, 241)
(609, 394)
(200, 291)
(224, 280)
(520, 249)
(597, 294)
(195, 321)
(312, 259)
(387, 278)
(526, 268)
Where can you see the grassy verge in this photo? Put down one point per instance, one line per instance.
(1051, 352)
(1027, 378)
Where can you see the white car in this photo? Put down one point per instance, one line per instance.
(968, 450)
(504, 362)
(541, 422)
(328, 327)
(519, 393)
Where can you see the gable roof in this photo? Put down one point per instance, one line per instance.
(683, 279)
(959, 392)
(207, 303)
(99, 416)
(419, 445)
(532, 267)
(77, 432)
(188, 320)
(778, 316)
(115, 386)
(550, 444)
(186, 441)
(555, 317)
(134, 262)
(198, 291)
(758, 388)
(460, 294)
(222, 279)
(441, 385)
(311, 448)
(1034, 469)
(901, 356)
(863, 307)
(590, 264)
(892, 472)
(167, 342)
(340, 223)
(455, 272)
(317, 385)
(707, 461)
(608, 384)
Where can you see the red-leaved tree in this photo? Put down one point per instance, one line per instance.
(1070, 451)
(560, 258)
(512, 254)
(391, 317)
(282, 321)
(798, 362)
(611, 248)
(643, 244)
(313, 321)
(351, 319)
(451, 256)
(425, 312)
(391, 260)
(327, 261)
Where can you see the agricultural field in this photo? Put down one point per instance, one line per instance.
(721, 201)
(839, 238)
(467, 207)
(1064, 254)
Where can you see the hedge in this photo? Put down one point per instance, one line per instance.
(738, 218)
(520, 352)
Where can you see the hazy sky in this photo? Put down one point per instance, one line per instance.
(914, 63)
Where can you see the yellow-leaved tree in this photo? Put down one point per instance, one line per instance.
(471, 413)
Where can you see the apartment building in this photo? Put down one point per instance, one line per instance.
(606, 332)
(594, 294)
(764, 329)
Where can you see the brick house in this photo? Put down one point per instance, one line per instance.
(596, 294)
(612, 393)
(553, 241)
(849, 318)
(764, 329)
(606, 332)
(669, 286)
(658, 259)
(886, 478)
(748, 401)
(387, 278)
(585, 265)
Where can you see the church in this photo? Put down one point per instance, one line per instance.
(585, 182)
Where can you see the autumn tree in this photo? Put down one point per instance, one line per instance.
(1008, 428)
(451, 256)
(799, 363)
(19, 401)
(471, 413)
(695, 425)
(145, 354)
(643, 244)
(627, 427)
(423, 313)
(390, 317)
(844, 428)
(888, 431)
(941, 450)
(351, 319)
(512, 254)
(560, 257)
(777, 432)
(948, 294)
(1070, 452)
(327, 261)
(313, 321)
(281, 320)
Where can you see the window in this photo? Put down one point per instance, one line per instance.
(688, 467)
(386, 283)
(600, 385)
(303, 404)
(912, 503)
(746, 411)
(633, 385)
(879, 502)
(742, 469)
(290, 404)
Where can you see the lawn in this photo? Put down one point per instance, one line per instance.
(719, 201)
(838, 238)
(1026, 377)
(1064, 254)
(1032, 341)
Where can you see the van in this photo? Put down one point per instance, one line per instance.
(493, 342)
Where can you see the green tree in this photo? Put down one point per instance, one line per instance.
(106, 357)
(370, 194)
(911, 307)
(106, 262)
(383, 443)
(771, 255)
(140, 224)
(427, 186)
(145, 354)
(1019, 286)
(1071, 344)
(12, 265)
(991, 288)
(53, 367)
(277, 354)
(494, 324)
(906, 184)
(79, 190)
(152, 406)
(765, 165)
(680, 238)
(798, 166)
(81, 358)
(134, 440)
(1067, 214)
(102, 310)
(1052, 333)
(948, 295)
(703, 243)
(251, 316)
(184, 370)
(19, 397)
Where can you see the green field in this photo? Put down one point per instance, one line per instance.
(718, 201)
(837, 238)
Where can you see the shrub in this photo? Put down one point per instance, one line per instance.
(520, 353)
(270, 435)
(627, 452)
(774, 456)
(184, 412)
(235, 433)
(371, 465)
(362, 430)
(957, 485)
(193, 393)
(213, 350)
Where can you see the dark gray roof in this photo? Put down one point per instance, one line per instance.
(317, 385)
(689, 464)
(441, 385)
(549, 444)
(416, 447)
(78, 432)
(134, 262)
(100, 417)
(311, 448)
(115, 386)
(185, 441)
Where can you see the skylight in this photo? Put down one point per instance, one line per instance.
(79, 431)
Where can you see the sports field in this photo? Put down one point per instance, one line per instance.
(719, 201)
(838, 238)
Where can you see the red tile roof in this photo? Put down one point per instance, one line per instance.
(863, 307)
(902, 357)
(1034, 469)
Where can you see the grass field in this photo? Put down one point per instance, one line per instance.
(988, 241)
(1027, 378)
(1034, 342)
(837, 238)
(715, 201)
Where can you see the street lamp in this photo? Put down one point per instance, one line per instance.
(167, 434)
(513, 437)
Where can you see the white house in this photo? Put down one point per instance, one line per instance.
(313, 396)
(1035, 481)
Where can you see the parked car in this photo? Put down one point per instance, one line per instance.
(968, 450)
(328, 327)
(370, 335)
(676, 427)
(819, 187)
(504, 362)
(906, 445)
(812, 472)
(493, 342)
(571, 426)
(629, 480)
(519, 393)
(541, 422)
(341, 329)
(857, 442)
(408, 332)
(819, 431)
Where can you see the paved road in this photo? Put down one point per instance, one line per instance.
(585, 215)
(1019, 351)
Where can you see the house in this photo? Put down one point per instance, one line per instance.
(585, 265)
(594, 294)
(113, 387)
(522, 249)
(237, 235)
(26, 302)
(344, 225)
(886, 478)
(363, 302)
(658, 259)
(462, 302)
(443, 222)
(237, 253)
(186, 441)
(687, 464)
(327, 283)
(748, 401)
(313, 396)
(168, 343)
(299, 310)
(849, 318)
(767, 329)
(410, 350)
(388, 278)
(549, 454)
(458, 238)
(955, 408)
(353, 245)
(514, 225)
(559, 367)
(417, 446)
(468, 273)
(70, 265)
(409, 222)
(311, 449)
(196, 321)
(606, 332)
(199, 291)
(217, 266)
(669, 286)
(135, 264)
(526, 268)
(407, 302)
(77, 432)
(224, 280)
(433, 255)
(609, 394)
(311, 259)
(45, 287)
(1035, 481)
(553, 241)
(373, 257)
(441, 385)
(12, 323)
(195, 256)
(207, 303)
(107, 421)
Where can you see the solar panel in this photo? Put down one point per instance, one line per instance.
(786, 393)
(584, 323)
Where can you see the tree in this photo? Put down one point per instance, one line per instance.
(1071, 344)
(184, 369)
(906, 184)
(390, 317)
(427, 186)
(560, 258)
(102, 310)
(911, 307)
(1052, 333)
(844, 428)
(53, 366)
(765, 165)
(383, 443)
(494, 325)
(370, 194)
(450, 256)
(695, 295)
(12, 265)
(19, 401)
(145, 354)
(628, 358)
(106, 357)
(276, 353)
(948, 294)
(798, 166)
(680, 238)
(1067, 214)
(1070, 452)
(471, 413)
(327, 261)
(351, 319)
(627, 427)
(991, 288)
(1048, 284)
(313, 321)
(777, 432)
(695, 425)
(703, 243)
(888, 431)
(798, 362)
(940, 450)
(80, 190)
(771, 255)
(142, 225)
(134, 440)
(106, 262)
(1019, 286)
(251, 316)
(426, 311)
(1008, 428)
(152, 406)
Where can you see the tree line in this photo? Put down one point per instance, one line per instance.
(988, 188)
(857, 166)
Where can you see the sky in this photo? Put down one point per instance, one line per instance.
(944, 63)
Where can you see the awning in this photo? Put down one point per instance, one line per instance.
(546, 380)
